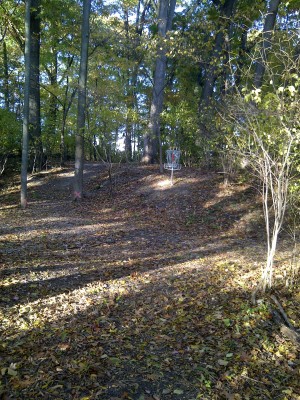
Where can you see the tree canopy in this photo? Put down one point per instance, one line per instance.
(213, 48)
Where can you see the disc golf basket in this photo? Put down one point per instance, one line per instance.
(172, 164)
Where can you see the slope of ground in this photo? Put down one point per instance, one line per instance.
(141, 291)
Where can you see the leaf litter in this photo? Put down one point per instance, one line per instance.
(142, 291)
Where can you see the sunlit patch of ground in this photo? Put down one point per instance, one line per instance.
(142, 292)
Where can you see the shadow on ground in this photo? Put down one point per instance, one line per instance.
(142, 295)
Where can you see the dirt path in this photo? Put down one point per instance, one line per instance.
(138, 292)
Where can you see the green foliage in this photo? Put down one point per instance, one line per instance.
(274, 118)
(180, 121)
(10, 133)
(123, 41)
(266, 119)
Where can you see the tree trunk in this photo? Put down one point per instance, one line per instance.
(66, 107)
(152, 139)
(131, 108)
(128, 94)
(24, 165)
(266, 42)
(79, 140)
(5, 78)
(132, 77)
(128, 140)
(34, 93)
(226, 12)
(51, 121)
(241, 59)
(225, 75)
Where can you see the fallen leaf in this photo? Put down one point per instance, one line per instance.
(178, 391)
(223, 362)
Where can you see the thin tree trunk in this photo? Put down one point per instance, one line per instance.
(225, 76)
(266, 42)
(66, 107)
(53, 107)
(241, 59)
(13, 29)
(79, 140)
(5, 78)
(24, 166)
(275, 179)
(128, 140)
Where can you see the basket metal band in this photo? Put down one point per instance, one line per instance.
(172, 166)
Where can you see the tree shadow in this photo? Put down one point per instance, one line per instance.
(178, 332)
(137, 297)
(107, 244)
(44, 278)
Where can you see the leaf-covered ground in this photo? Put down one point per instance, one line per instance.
(142, 291)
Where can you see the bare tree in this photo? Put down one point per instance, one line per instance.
(267, 134)
(274, 174)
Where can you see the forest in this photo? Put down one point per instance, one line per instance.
(149, 199)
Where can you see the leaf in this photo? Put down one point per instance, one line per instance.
(178, 391)
(53, 388)
(12, 372)
(153, 376)
(115, 361)
(223, 362)
(63, 346)
(287, 391)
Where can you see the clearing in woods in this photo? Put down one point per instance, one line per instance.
(141, 291)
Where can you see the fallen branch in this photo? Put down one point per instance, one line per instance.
(283, 314)
(287, 329)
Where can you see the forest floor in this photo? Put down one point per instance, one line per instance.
(141, 291)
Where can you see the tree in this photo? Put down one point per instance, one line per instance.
(81, 110)
(66, 105)
(24, 166)
(269, 24)
(12, 43)
(6, 75)
(153, 137)
(34, 91)
(267, 135)
(59, 69)
(10, 137)
(226, 9)
(135, 56)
